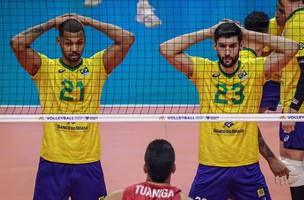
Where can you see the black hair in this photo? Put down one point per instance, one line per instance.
(70, 25)
(159, 159)
(257, 21)
(227, 30)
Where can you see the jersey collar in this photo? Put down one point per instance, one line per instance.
(293, 13)
(232, 74)
(69, 67)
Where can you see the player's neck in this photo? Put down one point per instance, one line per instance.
(295, 6)
(230, 70)
(70, 63)
(166, 182)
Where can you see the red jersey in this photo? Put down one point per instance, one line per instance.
(149, 191)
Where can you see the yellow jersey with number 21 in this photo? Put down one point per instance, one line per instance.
(71, 90)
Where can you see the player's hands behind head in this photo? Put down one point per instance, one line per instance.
(214, 27)
(60, 19)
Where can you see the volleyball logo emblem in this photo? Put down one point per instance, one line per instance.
(243, 75)
(216, 75)
(286, 138)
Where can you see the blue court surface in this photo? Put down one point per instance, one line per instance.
(144, 77)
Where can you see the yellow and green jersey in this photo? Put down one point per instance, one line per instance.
(294, 30)
(246, 53)
(71, 90)
(228, 144)
(274, 28)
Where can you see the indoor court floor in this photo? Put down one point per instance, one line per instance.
(123, 146)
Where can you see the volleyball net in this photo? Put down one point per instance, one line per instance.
(145, 86)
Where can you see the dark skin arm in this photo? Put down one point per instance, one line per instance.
(277, 167)
(21, 44)
(122, 38)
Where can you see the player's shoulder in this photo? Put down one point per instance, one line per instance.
(203, 64)
(201, 60)
(95, 61)
(296, 17)
(247, 53)
(96, 56)
(44, 57)
(253, 63)
(47, 61)
(273, 20)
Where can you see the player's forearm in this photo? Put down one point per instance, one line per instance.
(276, 43)
(183, 42)
(264, 148)
(27, 37)
(117, 34)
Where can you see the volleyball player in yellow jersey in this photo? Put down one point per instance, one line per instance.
(292, 139)
(228, 151)
(70, 153)
(259, 22)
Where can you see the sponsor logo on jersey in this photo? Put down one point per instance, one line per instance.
(216, 75)
(60, 71)
(228, 124)
(243, 75)
(228, 131)
(84, 71)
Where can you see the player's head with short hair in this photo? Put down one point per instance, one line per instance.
(159, 160)
(71, 39)
(257, 21)
(71, 26)
(228, 43)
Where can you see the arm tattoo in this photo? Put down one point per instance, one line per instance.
(37, 30)
(264, 149)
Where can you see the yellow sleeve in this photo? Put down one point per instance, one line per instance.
(42, 72)
(258, 64)
(199, 67)
(97, 60)
(295, 31)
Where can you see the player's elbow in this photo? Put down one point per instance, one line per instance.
(13, 43)
(163, 50)
(16, 44)
(128, 39)
(131, 39)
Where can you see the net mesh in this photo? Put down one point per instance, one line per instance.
(144, 83)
